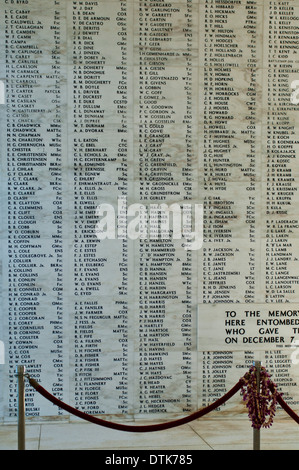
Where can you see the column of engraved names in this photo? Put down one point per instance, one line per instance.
(281, 150)
(34, 269)
(281, 225)
(99, 141)
(214, 373)
(282, 369)
(165, 145)
(231, 169)
(230, 143)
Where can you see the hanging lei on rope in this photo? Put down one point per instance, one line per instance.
(261, 406)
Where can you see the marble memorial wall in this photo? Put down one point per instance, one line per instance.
(109, 110)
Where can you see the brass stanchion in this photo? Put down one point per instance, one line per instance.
(256, 432)
(20, 372)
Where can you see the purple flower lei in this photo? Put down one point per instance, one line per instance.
(261, 406)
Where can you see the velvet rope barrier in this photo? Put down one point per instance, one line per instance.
(285, 406)
(134, 428)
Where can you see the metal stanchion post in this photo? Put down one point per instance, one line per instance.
(256, 432)
(21, 407)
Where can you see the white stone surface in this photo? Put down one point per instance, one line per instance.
(192, 103)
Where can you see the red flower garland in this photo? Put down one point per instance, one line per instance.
(261, 405)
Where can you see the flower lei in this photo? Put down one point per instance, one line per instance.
(261, 406)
